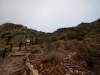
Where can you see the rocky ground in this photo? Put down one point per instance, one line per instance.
(66, 66)
(13, 63)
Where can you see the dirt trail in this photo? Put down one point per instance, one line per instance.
(12, 62)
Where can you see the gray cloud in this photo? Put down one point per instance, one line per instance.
(49, 15)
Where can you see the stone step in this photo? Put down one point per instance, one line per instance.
(34, 72)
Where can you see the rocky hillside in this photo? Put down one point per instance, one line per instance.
(79, 32)
(93, 26)
(16, 33)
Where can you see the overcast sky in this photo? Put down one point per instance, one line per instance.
(49, 15)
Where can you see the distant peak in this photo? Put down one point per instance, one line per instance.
(8, 26)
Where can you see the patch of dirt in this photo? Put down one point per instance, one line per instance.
(12, 63)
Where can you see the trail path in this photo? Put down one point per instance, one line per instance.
(12, 62)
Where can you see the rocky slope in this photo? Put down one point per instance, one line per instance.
(21, 33)
(16, 33)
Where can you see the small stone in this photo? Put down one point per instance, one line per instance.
(71, 71)
(66, 70)
(77, 71)
(41, 65)
(34, 72)
(64, 67)
(40, 74)
(27, 60)
(30, 67)
(67, 74)
(27, 63)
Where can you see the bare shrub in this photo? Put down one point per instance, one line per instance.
(49, 46)
(35, 51)
(88, 51)
(52, 56)
(41, 46)
(67, 45)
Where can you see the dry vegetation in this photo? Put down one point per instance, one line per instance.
(35, 51)
(71, 57)
(52, 56)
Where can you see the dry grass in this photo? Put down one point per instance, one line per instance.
(52, 56)
(88, 52)
(36, 50)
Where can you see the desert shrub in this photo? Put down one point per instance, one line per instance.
(49, 45)
(39, 41)
(67, 45)
(35, 51)
(54, 39)
(79, 35)
(41, 46)
(57, 44)
(98, 30)
(31, 36)
(71, 36)
(52, 56)
(98, 20)
(88, 52)
(62, 38)
(4, 34)
(36, 41)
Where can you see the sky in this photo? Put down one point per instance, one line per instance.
(49, 15)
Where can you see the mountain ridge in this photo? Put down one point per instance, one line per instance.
(21, 33)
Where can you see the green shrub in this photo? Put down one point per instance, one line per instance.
(78, 36)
